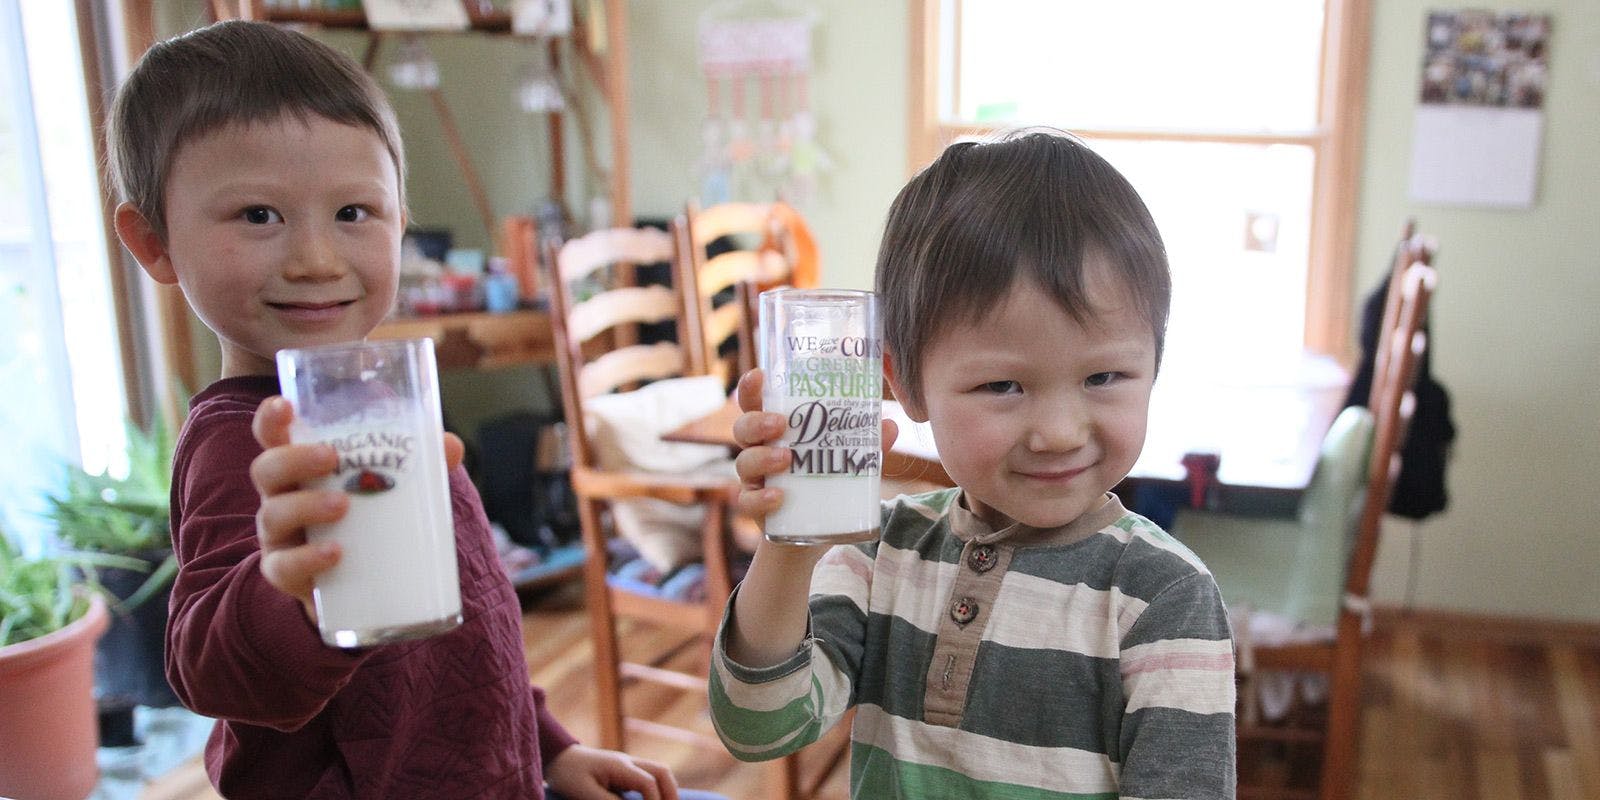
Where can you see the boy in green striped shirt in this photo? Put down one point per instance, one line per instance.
(1023, 635)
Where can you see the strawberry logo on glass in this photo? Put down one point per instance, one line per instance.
(368, 482)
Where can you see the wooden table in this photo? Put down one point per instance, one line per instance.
(1266, 426)
(479, 339)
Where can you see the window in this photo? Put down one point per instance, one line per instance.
(1235, 120)
(61, 398)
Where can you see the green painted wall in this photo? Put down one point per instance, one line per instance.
(1516, 338)
(860, 62)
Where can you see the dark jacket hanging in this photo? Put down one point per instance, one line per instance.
(1419, 489)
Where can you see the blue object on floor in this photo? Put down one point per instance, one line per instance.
(550, 562)
(168, 737)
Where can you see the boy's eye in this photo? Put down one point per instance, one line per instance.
(261, 215)
(352, 214)
(1002, 387)
(1101, 378)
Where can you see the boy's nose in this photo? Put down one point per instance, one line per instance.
(314, 258)
(1058, 427)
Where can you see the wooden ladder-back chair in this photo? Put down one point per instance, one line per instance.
(594, 325)
(1281, 567)
(596, 355)
(1393, 405)
(773, 246)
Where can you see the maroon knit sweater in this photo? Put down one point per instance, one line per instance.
(452, 716)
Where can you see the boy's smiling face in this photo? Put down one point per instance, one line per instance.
(282, 234)
(1037, 416)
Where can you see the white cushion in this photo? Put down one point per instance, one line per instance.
(625, 431)
(667, 535)
(625, 428)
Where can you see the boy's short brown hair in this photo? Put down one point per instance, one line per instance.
(231, 73)
(1031, 203)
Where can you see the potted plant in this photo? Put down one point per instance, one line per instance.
(127, 517)
(51, 615)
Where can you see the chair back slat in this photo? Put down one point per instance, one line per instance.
(627, 305)
(724, 321)
(729, 219)
(725, 269)
(581, 257)
(629, 365)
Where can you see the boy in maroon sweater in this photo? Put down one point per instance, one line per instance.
(263, 173)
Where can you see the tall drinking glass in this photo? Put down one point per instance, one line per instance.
(822, 352)
(377, 404)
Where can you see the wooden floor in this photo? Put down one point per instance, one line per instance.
(1452, 710)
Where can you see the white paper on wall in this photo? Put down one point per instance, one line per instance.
(1474, 156)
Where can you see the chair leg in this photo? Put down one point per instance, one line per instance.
(719, 574)
(1340, 748)
(602, 629)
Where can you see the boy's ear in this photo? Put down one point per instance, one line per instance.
(141, 239)
(913, 409)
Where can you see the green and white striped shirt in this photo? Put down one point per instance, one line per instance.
(1088, 661)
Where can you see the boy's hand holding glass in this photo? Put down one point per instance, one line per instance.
(755, 431)
(283, 475)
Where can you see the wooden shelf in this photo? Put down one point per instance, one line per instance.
(606, 62)
(479, 340)
(492, 22)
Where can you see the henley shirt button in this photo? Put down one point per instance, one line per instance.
(964, 610)
(982, 558)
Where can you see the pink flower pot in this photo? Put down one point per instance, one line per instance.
(47, 712)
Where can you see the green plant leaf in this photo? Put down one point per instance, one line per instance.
(120, 515)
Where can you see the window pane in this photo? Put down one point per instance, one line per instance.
(72, 196)
(59, 404)
(1233, 65)
(1234, 219)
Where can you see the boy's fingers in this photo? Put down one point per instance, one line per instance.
(891, 432)
(293, 570)
(271, 422)
(756, 427)
(289, 466)
(758, 502)
(667, 785)
(749, 391)
(282, 519)
(754, 464)
(454, 450)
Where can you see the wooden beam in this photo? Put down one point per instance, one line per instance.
(123, 291)
(923, 123)
(616, 57)
(1337, 178)
(458, 149)
(173, 315)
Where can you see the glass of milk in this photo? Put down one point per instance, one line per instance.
(822, 352)
(377, 404)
